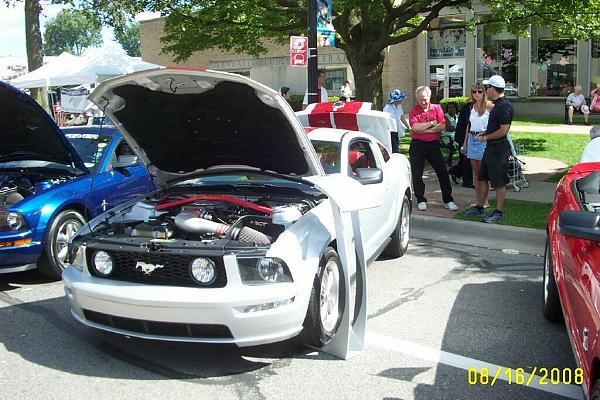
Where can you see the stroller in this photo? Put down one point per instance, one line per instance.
(515, 168)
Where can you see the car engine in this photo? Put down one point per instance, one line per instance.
(238, 220)
(14, 188)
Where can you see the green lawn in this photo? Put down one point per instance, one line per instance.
(527, 214)
(556, 146)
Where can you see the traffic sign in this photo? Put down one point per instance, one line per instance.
(298, 51)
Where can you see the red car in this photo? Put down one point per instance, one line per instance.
(572, 267)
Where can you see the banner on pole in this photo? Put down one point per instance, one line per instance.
(325, 29)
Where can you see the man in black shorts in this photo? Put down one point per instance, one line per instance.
(494, 165)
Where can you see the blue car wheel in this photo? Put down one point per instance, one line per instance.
(54, 256)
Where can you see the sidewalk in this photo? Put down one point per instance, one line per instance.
(564, 128)
(536, 171)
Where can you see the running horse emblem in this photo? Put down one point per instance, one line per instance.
(147, 268)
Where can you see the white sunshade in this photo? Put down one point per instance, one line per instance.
(108, 61)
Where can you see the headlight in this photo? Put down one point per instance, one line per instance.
(102, 263)
(254, 271)
(203, 271)
(12, 221)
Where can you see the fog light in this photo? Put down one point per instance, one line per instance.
(270, 269)
(203, 271)
(103, 263)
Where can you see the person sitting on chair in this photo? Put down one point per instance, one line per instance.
(576, 101)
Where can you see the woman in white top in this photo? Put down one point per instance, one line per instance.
(394, 108)
(478, 120)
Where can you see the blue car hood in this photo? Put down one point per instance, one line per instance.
(28, 133)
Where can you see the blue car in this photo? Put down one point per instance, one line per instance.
(53, 181)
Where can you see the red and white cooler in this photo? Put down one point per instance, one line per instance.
(354, 116)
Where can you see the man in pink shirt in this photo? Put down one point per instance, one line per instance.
(427, 121)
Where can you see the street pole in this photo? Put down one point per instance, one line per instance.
(313, 95)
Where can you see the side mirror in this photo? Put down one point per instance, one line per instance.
(580, 224)
(369, 176)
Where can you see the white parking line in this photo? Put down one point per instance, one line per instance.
(455, 360)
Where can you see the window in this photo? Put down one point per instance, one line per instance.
(360, 155)
(595, 65)
(336, 78)
(329, 155)
(449, 43)
(553, 64)
(497, 54)
(384, 152)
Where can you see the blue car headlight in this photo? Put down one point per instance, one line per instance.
(261, 270)
(12, 221)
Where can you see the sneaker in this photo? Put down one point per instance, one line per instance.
(422, 206)
(494, 217)
(475, 210)
(569, 123)
(586, 123)
(451, 206)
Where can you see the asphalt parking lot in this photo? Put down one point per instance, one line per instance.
(452, 303)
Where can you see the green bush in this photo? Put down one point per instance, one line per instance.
(296, 101)
(460, 101)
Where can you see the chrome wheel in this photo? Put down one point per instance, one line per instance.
(65, 232)
(405, 226)
(330, 297)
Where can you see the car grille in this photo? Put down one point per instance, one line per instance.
(207, 331)
(175, 271)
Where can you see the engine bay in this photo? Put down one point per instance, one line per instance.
(223, 220)
(16, 187)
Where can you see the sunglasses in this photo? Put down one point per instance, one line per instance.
(480, 91)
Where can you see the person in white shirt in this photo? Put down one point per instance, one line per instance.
(576, 101)
(321, 80)
(346, 90)
(591, 152)
(394, 108)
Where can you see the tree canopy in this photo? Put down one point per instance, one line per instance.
(71, 31)
(364, 28)
(129, 38)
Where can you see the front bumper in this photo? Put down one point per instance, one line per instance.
(20, 257)
(155, 312)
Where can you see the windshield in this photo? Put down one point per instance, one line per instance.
(244, 179)
(90, 147)
(329, 155)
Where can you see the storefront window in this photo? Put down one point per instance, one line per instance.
(449, 43)
(553, 64)
(595, 65)
(497, 54)
(336, 78)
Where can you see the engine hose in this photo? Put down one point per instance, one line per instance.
(229, 199)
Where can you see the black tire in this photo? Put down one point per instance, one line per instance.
(399, 244)
(314, 332)
(51, 263)
(595, 394)
(552, 309)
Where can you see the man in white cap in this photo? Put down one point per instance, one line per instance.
(494, 165)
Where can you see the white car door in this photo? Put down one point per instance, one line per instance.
(362, 153)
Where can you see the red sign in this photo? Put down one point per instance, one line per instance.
(298, 51)
(433, 83)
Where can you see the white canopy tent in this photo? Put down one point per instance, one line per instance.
(99, 64)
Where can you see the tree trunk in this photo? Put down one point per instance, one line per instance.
(33, 42)
(368, 72)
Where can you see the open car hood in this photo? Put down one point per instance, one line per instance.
(187, 122)
(28, 133)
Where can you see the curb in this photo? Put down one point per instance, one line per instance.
(499, 237)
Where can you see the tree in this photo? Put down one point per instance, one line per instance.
(364, 28)
(129, 38)
(71, 31)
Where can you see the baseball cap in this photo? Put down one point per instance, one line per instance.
(284, 90)
(495, 81)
